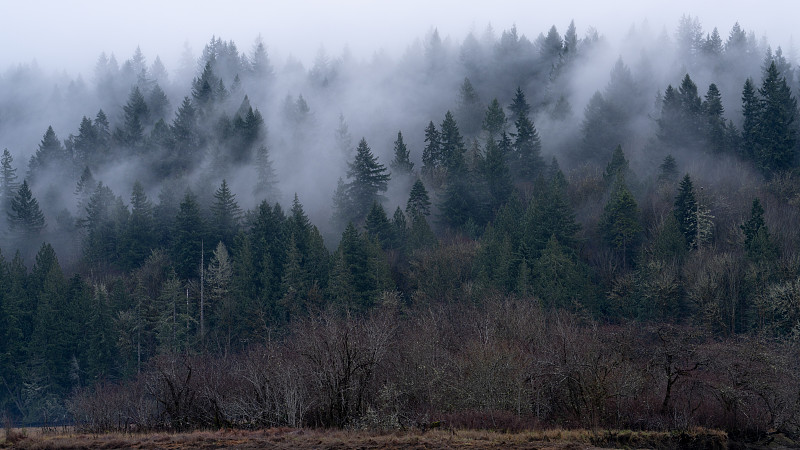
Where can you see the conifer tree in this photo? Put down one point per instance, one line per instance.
(494, 121)
(401, 164)
(418, 200)
(777, 130)
(369, 180)
(617, 167)
(431, 154)
(24, 216)
(189, 237)
(225, 215)
(140, 233)
(8, 179)
(685, 211)
(619, 222)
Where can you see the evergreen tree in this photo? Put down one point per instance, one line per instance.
(8, 179)
(51, 153)
(751, 110)
(140, 233)
(267, 184)
(418, 200)
(777, 131)
(24, 216)
(368, 180)
(619, 222)
(525, 158)
(496, 172)
(757, 240)
(401, 164)
(451, 146)
(225, 215)
(685, 211)
(470, 110)
(377, 226)
(668, 170)
(189, 238)
(494, 121)
(617, 167)
(715, 122)
(136, 116)
(432, 153)
(105, 228)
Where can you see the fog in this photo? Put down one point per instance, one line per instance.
(376, 67)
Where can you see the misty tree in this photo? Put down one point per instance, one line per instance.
(668, 170)
(777, 131)
(8, 179)
(401, 164)
(451, 146)
(432, 153)
(496, 172)
(225, 215)
(758, 243)
(104, 228)
(617, 167)
(619, 222)
(24, 215)
(469, 110)
(50, 154)
(266, 179)
(140, 230)
(187, 139)
(84, 189)
(378, 227)
(685, 211)
(207, 90)
(367, 180)
(157, 104)
(344, 141)
(136, 117)
(418, 201)
(525, 158)
(715, 122)
(494, 121)
(189, 237)
(85, 144)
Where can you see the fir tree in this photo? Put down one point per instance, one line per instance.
(8, 179)
(494, 121)
(24, 215)
(685, 211)
(225, 215)
(369, 180)
(619, 222)
(401, 164)
(418, 201)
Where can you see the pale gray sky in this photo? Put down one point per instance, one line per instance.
(71, 34)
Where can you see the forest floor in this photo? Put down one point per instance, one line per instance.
(292, 438)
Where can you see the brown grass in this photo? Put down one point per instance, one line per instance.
(291, 438)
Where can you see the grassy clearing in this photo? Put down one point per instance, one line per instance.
(414, 439)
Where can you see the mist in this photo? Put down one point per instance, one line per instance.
(368, 69)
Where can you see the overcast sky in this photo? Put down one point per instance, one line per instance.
(71, 34)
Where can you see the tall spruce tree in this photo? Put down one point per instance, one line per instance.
(368, 180)
(24, 216)
(685, 211)
(401, 164)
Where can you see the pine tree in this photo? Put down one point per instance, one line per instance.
(617, 167)
(620, 224)
(225, 215)
(751, 110)
(685, 211)
(8, 179)
(140, 233)
(451, 146)
(757, 240)
(377, 226)
(715, 122)
(401, 164)
(432, 153)
(668, 170)
(777, 131)
(24, 216)
(369, 180)
(496, 172)
(267, 184)
(418, 201)
(51, 153)
(494, 121)
(525, 159)
(189, 237)
(470, 110)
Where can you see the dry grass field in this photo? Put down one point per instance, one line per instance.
(290, 438)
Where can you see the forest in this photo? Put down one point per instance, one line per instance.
(491, 231)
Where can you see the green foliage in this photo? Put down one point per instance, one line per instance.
(685, 211)
(25, 217)
(368, 180)
(620, 223)
(401, 163)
